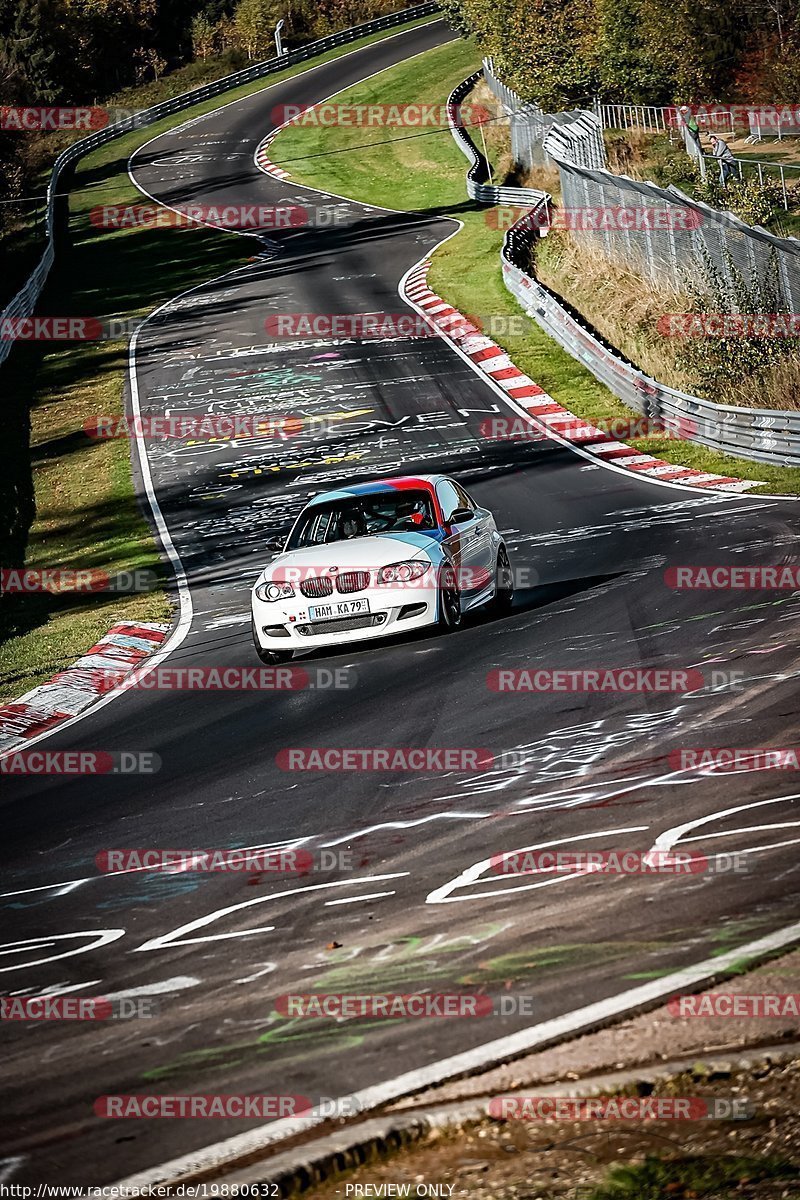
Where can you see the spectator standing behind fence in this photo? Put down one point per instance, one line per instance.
(690, 121)
(722, 152)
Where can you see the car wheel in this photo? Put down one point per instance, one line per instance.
(449, 602)
(504, 584)
(271, 658)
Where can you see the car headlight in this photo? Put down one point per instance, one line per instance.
(274, 591)
(402, 572)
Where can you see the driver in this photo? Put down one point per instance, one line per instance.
(353, 524)
(416, 514)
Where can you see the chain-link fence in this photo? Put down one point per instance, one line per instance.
(529, 126)
(660, 232)
(785, 176)
(668, 236)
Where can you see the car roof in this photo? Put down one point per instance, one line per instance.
(400, 482)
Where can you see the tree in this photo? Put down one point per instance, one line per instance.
(255, 22)
(28, 49)
(547, 50)
(626, 71)
(698, 44)
(203, 35)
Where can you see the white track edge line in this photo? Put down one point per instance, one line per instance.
(186, 611)
(231, 1150)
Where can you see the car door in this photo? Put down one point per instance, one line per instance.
(462, 541)
(482, 547)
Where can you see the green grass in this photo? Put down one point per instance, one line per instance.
(395, 168)
(86, 511)
(718, 1178)
(22, 246)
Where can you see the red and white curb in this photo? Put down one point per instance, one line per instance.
(494, 362)
(75, 689)
(263, 160)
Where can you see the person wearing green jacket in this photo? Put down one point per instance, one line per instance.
(690, 121)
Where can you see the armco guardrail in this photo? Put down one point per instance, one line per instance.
(761, 435)
(25, 301)
(479, 170)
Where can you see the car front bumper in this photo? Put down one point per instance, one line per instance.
(287, 625)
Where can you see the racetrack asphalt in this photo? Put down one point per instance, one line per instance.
(590, 769)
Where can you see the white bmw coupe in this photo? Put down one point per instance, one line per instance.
(377, 559)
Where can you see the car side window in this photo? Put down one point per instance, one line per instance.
(448, 498)
(464, 501)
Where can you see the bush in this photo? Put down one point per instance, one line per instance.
(752, 202)
(729, 362)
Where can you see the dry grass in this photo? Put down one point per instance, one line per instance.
(622, 306)
(631, 153)
(779, 388)
(546, 179)
(497, 136)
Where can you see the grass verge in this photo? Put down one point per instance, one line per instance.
(386, 165)
(87, 515)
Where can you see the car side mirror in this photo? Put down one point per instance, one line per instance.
(461, 515)
(274, 545)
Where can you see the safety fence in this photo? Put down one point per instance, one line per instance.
(24, 303)
(680, 236)
(479, 170)
(757, 434)
(648, 118)
(529, 126)
(779, 128)
(784, 175)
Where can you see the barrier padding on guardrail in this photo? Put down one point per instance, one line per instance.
(494, 362)
(75, 689)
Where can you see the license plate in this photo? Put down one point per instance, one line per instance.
(341, 608)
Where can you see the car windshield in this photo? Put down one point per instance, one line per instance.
(392, 511)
